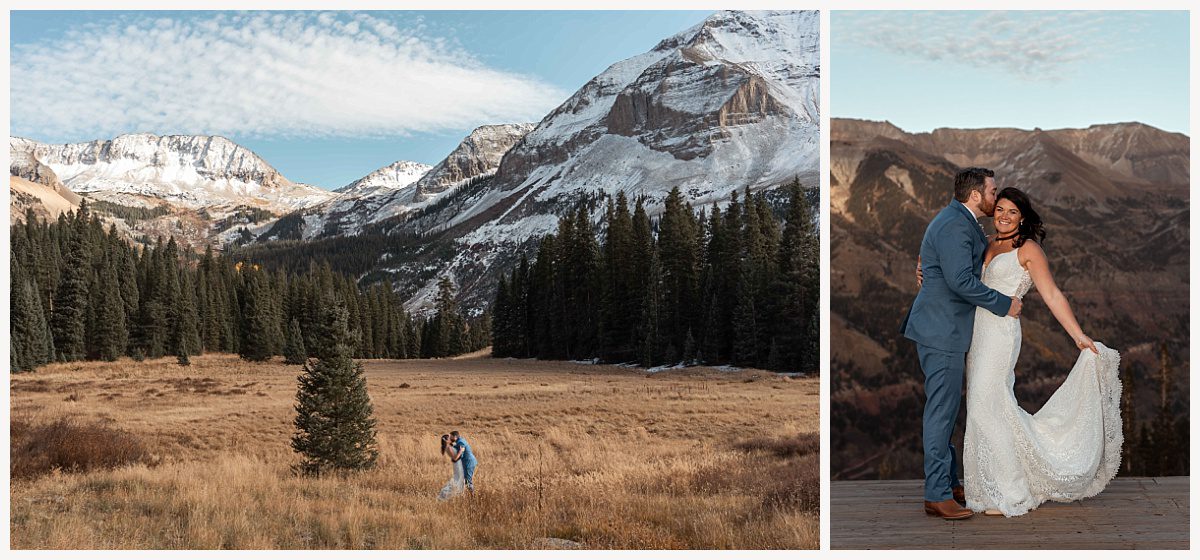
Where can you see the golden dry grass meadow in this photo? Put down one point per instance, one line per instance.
(602, 456)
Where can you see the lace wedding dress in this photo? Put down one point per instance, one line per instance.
(456, 485)
(1012, 460)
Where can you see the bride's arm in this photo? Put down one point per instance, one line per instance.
(1034, 260)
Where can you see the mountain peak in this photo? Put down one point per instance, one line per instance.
(729, 103)
(735, 35)
(395, 175)
(195, 171)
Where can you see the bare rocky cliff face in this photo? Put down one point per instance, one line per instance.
(478, 155)
(24, 164)
(1114, 199)
(651, 109)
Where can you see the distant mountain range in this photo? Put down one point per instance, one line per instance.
(1114, 199)
(201, 187)
(729, 104)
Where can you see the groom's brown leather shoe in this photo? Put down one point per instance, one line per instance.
(960, 495)
(947, 509)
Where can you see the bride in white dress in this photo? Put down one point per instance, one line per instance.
(1014, 461)
(457, 483)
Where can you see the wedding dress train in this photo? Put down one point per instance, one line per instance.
(456, 485)
(1070, 449)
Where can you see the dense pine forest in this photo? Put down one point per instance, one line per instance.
(735, 286)
(79, 292)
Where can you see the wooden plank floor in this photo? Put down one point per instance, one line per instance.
(1143, 513)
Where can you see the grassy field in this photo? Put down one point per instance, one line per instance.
(603, 456)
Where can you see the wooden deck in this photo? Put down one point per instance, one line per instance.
(1143, 513)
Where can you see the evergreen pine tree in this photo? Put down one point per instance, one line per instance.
(293, 350)
(689, 356)
(186, 339)
(650, 330)
(543, 310)
(109, 328)
(127, 278)
(797, 287)
(448, 326)
(69, 314)
(20, 315)
(774, 358)
(258, 342)
(679, 256)
(745, 324)
(501, 334)
(335, 429)
(520, 309)
(414, 337)
(29, 334)
(618, 303)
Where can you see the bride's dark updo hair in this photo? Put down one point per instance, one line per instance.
(1031, 226)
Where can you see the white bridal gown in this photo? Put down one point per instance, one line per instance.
(1012, 460)
(456, 485)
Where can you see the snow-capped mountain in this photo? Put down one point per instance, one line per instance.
(478, 155)
(730, 103)
(198, 188)
(392, 177)
(353, 204)
(402, 187)
(189, 171)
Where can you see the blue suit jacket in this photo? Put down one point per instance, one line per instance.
(943, 314)
(468, 458)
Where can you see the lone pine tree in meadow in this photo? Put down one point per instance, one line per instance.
(335, 427)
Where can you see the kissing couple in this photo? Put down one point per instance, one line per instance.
(463, 463)
(965, 323)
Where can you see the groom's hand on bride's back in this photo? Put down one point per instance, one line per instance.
(1014, 309)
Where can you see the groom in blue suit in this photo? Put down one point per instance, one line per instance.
(941, 320)
(462, 451)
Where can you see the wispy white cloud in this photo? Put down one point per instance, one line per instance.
(1039, 46)
(270, 74)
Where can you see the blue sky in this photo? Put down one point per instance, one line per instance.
(924, 70)
(324, 97)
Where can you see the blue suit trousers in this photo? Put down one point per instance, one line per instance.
(943, 394)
